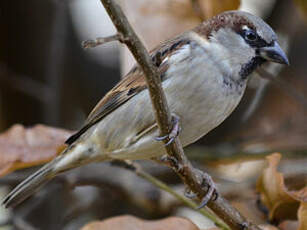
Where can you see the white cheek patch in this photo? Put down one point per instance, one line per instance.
(230, 49)
(230, 40)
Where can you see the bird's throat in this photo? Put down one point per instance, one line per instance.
(249, 67)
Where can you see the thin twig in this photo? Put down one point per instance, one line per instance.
(138, 170)
(162, 114)
(100, 41)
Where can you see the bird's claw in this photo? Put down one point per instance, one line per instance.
(161, 138)
(209, 196)
(174, 132)
(212, 193)
(206, 181)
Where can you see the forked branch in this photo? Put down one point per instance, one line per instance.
(100, 41)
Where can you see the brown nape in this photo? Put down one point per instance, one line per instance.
(229, 19)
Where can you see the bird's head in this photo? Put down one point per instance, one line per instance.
(242, 39)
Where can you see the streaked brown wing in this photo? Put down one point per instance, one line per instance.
(128, 87)
(121, 93)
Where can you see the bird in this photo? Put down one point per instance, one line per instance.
(203, 72)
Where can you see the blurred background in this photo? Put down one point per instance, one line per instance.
(46, 77)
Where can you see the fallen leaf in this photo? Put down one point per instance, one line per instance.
(282, 203)
(22, 147)
(127, 222)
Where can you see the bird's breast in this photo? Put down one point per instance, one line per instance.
(198, 90)
(203, 95)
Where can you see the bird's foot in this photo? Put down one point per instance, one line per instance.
(174, 132)
(208, 185)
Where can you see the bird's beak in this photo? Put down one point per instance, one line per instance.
(274, 54)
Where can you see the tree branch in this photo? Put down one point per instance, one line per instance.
(138, 170)
(100, 41)
(187, 173)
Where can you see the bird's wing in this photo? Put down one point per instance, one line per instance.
(133, 83)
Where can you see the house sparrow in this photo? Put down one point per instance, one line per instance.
(204, 73)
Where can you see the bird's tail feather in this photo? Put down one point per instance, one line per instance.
(70, 158)
(31, 184)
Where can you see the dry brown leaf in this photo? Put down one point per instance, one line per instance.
(213, 7)
(281, 202)
(25, 147)
(132, 223)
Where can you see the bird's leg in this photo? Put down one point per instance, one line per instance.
(206, 181)
(174, 132)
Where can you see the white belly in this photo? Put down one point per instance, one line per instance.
(201, 100)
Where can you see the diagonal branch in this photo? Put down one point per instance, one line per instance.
(187, 173)
(139, 171)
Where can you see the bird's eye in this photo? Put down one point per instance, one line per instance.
(250, 35)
